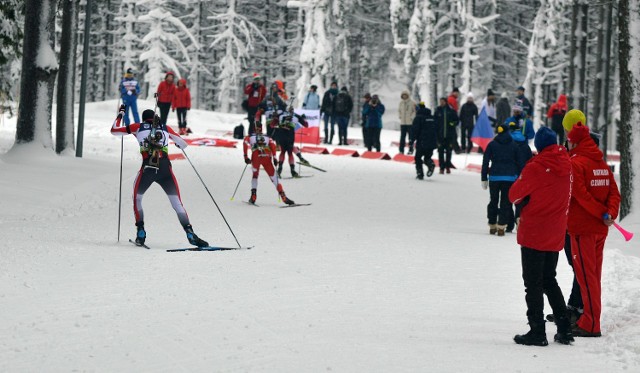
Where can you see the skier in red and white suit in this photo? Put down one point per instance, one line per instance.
(263, 150)
(153, 137)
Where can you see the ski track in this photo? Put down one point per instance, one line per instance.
(382, 273)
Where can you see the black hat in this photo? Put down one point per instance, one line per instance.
(147, 115)
(314, 87)
(520, 88)
(490, 92)
(343, 89)
(455, 89)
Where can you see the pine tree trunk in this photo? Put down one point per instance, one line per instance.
(572, 54)
(39, 69)
(582, 102)
(629, 44)
(600, 59)
(65, 94)
(607, 80)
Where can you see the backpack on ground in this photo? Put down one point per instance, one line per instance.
(238, 132)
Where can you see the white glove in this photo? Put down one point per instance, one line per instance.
(485, 184)
(129, 93)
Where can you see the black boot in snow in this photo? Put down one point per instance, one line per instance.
(535, 337)
(141, 235)
(294, 174)
(564, 335)
(302, 160)
(252, 199)
(193, 239)
(280, 171)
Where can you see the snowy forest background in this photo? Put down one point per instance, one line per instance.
(586, 49)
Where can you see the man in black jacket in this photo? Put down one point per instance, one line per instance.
(468, 117)
(327, 110)
(425, 135)
(446, 121)
(343, 105)
(526, 105)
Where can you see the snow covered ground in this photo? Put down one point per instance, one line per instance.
(383, 273)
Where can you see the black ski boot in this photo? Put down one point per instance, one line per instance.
(420, 177)
(141, 235)
(279, 170)
(564, 335)
(193, 239)
(535, 337)
(294, 174)
(252, 199)
(286, 200)
(431, 168)
(302, 160)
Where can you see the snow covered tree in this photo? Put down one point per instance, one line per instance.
(128, 43)
(10, 48)
(39, 69)
(237, 34)
(65, 93)
(164, 34)
(629, 39)
(419, 50)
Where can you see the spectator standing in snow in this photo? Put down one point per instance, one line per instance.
(406, 113)
(181, 104)
(503, 109)
(342, 110)
(327, 111)
(526, 105)
(489, 105)
(256, 93)
(129, 91)
(452, 100)
(501, 165)
(311, 99)
(446, 120)
(425, 135)
(365, 133)
(595, 202)
(556, 115)
(468, 117)
(373, 110)
(543, 189)
(525, 155)
(165, 92)
(521, 121)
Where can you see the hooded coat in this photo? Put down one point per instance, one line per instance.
(595, 191)
(406, 109)
(544, 189)
(556, 113)
(424, 130)
(504, 156)
(181, 96)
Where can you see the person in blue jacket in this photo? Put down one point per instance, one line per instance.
(520, 120)
(373, 111)
(506, 163)
(129, 91)
(311, 99)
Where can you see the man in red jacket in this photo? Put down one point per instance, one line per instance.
(594, 206)
(256, 93)
(543, 191)
(182, 103)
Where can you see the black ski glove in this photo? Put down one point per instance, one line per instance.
(275, 162)
(247, 160)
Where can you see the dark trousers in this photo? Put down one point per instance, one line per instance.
(559, 130)
(164, 111)
(423, 156)
(539, 275)
(343, 124)
(182, 117)
(329, 119)
(465, 138)
(575, 299)
(365, 136)
(499, 209)
(251, 115)
(373, 134)
(405, 129)
(444, 153)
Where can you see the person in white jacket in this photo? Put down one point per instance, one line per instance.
(311, 99)
(406, 113)
(489, 104)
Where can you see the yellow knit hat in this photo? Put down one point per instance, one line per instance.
(572, 118)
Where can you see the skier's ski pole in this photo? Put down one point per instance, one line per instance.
(120, 192)
(213, 199)
(241, 176)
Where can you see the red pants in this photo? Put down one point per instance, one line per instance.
(587, 253)
(265, 162)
